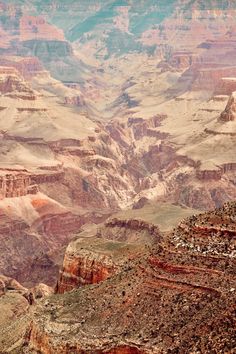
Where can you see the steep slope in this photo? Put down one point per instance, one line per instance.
(16, 302)
(164, 301)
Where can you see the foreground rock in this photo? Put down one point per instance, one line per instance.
(94, 258)
(15, 303)
(164, 300)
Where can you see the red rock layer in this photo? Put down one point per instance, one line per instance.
(207, 77)
(14, 185)
(27, 67)
(79, 270)
(36, 27)
(13, 85)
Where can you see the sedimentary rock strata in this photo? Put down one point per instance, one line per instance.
(227, 86)
(164, 294)
(12, 85)
(229, 113)
(212, 233)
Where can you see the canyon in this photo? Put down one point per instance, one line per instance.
(117, 176)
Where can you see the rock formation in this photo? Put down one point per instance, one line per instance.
(28, 67)
(227, 86)
(163, 300)
(89, 260)
(12, 85)
(16, 301)
(229, 113)
(36, 27)
(212, 233)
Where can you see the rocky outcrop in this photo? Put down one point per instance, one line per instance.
(146, 127)
(28, 67)
(207, 77)
(94, 259)
(128, 229)
(74, 100)
(42, 342)
(81, 267)
(167, 298)
(226, 86)
(14, 319)
(36, 27)
(18, 184)
(159, 157)
(14, 185)
(218, 132)
(229, 167)
(12, 85)
(212, 233)
(229, 113)
(8, 284)
(211, 174)
(42, 290)
(182, 60)
(16, 301)
(59, 144)
(49, 177)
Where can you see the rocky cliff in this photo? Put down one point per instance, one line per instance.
(229, 113)
(14, 185)
(28, 67)
(14, 86)
(83, 265)
(16, 301)
(36, 27)
(226, 86)
(162, 300)
(90, 260)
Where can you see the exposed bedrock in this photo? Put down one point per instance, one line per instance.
(229, 113)
(209, 76)
(32, 27)
(83, 267)
(211, 233)
(14, 185)
(17, 184)
(14, 86)
(226, 86)
(92, 260)
(28, 67)
(180, 298)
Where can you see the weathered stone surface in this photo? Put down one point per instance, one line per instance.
(226, 86)
(14, 86)
(229, 113)
(36, 27)
(180, 299)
